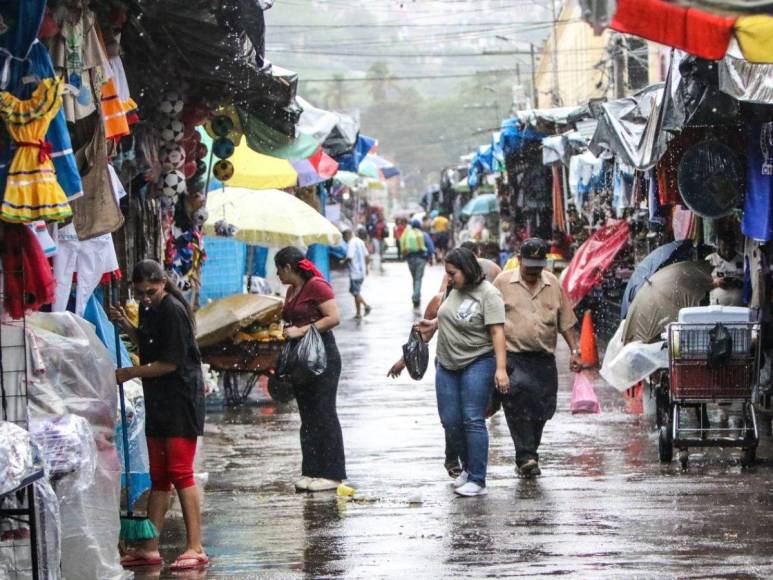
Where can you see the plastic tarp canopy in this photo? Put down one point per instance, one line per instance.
(269, 218)
(307, 174)
(746, 81)
(219, 320)
(264, 139)
(562, 147)
(325, 165)
(336, 131)
(351, 161)
(594, 258)
(537, 117)
(665, 255)
(217, 51)
(658, 302)
(631, 128)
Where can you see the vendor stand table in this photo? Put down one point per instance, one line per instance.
(242, 365)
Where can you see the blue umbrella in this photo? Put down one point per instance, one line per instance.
(481, 205)
(665, 255)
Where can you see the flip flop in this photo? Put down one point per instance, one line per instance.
(198, 561)
(138, 562)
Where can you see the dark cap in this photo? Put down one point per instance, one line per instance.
(534, 253)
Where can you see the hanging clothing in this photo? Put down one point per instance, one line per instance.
(757, 221)
(559, 214)
(22, 55)
(584, 170)
(622, 187)
(699, 33)
(90, 260)
(28, 282)
(653, 199)
(755, 37)
(32, 191)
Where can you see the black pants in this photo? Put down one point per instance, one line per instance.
(322, 442)
(526, 434)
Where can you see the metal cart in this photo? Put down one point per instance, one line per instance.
(693, 382)
(241, 365)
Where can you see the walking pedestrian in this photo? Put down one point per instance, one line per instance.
(441, 234)
(310, 301)
(451, 460)
(471, 360)
(490, 268)
(418, 249)
(173, 385)
(357, 257)
(400, 225)
(538, 310)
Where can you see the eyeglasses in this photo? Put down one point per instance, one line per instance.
(149, 293)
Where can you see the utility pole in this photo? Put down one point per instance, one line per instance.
(555, 91)
(618, 67)
(534, 95)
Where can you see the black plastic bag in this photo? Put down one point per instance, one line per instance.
(303, 359)
(416, 355)
(720, 346)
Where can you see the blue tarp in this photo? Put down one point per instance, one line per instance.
(351, 161)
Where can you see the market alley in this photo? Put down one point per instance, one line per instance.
(604, 505)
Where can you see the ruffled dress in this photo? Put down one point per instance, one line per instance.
(32, 191)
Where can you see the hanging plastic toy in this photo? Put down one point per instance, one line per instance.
(223, 170)
(223, 148)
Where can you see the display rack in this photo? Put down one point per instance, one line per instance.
(18, 522)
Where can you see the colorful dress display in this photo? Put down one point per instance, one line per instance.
(32, 191)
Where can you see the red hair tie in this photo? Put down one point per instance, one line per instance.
(308, 266)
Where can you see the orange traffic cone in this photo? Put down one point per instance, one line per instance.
(588, 351)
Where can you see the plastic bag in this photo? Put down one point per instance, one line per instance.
(720, 346)
(626, 365)
(280, 390)
(304, 358)
(584, 398)
(416, 355)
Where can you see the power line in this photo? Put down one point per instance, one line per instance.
(444, 25)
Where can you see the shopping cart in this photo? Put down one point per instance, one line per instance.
(696, 379)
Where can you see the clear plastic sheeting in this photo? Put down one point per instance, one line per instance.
(626, 364)
(19, 457)
(69, 451)
(49, 530)
(745, 81)
(139, 476)
(77, 376)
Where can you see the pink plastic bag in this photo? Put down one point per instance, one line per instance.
(584, 398)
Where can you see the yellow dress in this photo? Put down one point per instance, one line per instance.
(32, 191)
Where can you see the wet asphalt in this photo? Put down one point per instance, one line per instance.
(603, 508)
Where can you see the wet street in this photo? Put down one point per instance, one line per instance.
(603, 508)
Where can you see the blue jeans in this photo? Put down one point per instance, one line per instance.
(462, 399)
(416, 264)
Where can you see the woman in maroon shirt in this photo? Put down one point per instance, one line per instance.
(310, 301)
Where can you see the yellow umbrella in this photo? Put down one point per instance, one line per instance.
(256, 171)
(269, 217)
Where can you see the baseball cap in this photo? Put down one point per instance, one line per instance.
(534, 253)
(415, 223)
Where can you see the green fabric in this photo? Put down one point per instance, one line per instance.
(412, 241)
(264, 139)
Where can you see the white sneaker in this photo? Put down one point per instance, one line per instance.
(303, 483)
(461, 480)
(471, 489)
(320, 484)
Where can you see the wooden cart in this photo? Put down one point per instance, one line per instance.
(242, 365)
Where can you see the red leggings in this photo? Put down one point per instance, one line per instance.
(171, 462)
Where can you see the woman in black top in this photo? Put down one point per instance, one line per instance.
(173, 385)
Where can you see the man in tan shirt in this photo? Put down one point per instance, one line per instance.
(537, 310)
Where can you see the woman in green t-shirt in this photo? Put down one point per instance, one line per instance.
(471, 359)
